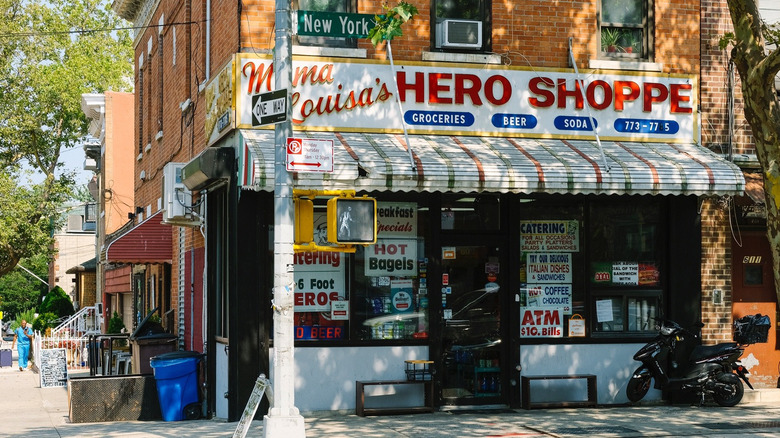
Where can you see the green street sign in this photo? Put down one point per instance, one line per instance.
(334, 24)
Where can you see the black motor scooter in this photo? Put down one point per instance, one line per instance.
(678, 363)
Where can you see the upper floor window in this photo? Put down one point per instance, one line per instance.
(625, 28)
(461, 24)
(326, 6)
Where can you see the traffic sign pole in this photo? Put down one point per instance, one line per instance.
(283, 419)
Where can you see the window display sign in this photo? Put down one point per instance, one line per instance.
(319, 279)
(339, 310)
(401, 293)
(549, 268)
(394, 257)
(396, 219)
(625, 273)
(547, 295)
(576, 326)
(549, 236)
(536, 322)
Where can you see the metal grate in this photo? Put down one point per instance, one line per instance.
(593, 430)
(764, 424)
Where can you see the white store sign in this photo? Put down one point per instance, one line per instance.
(334, 95)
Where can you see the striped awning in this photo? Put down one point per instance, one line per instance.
(381, 162)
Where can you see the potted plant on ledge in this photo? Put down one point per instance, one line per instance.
(609, 40)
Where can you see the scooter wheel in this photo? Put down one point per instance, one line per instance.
(729, 390)
(637, 388)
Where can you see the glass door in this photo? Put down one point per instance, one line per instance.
(471, 325)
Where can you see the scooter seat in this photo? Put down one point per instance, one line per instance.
(706, 351)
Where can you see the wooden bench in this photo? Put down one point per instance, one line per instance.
(526, 392)
(360, 398)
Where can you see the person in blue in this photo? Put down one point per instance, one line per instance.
(22, 338)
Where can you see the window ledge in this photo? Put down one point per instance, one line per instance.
(338, 52)
(159, 136)
(148, 148)
(140, 156)
(604, 64)
(473, 58)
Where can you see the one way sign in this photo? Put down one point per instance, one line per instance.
(269, 108)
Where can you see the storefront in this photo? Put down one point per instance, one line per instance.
(511, 242)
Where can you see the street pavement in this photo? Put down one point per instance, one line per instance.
(27, 410)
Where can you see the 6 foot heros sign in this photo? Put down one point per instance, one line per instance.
(541, 323)
(309, 155)
(319, 280)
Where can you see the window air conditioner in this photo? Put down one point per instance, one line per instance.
(459, 34)
(177, 198)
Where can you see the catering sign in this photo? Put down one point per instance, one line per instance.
(549, 236)
(340, 95)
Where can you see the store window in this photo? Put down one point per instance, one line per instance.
(379, 293)
(625, 28)
(471, 213)
(625, 265)
(552, 292)
(391, 291)
(321, 297)
(325, 6)
(461, 24)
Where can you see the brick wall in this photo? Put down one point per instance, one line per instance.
(715, 271)
(715, 22)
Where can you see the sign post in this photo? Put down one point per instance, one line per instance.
(283, 419)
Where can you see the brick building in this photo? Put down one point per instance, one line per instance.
(506, 213)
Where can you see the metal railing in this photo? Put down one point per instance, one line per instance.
(95, 353)
(84, 322)
(76, 348)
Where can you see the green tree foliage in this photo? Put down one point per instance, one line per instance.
(44, 321)
(755, 53)
(57, 302)
(115, 324)
(27, 315)
(19, 290)
(50, 54)
(388, 26)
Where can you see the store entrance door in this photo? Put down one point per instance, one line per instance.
(473, 283)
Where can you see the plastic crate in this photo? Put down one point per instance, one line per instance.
(419, 370)
(752, 329)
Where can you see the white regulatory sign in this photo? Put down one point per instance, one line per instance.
(309, 155)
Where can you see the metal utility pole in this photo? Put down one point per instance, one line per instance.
(283, 419)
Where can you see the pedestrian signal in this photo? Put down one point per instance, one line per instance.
(304, 220)
(352, 220)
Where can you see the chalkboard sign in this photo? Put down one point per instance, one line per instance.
(53, 368)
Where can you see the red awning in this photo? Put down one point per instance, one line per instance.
(148, 242)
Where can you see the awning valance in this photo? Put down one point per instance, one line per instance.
(380, 162)
(149, 242)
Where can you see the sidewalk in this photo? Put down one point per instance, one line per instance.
(27, 410)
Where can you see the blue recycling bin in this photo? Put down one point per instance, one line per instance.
(176, 374)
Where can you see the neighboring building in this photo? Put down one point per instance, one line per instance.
(110, 155)
(737, 265)
(512, 241)
(74, 244)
